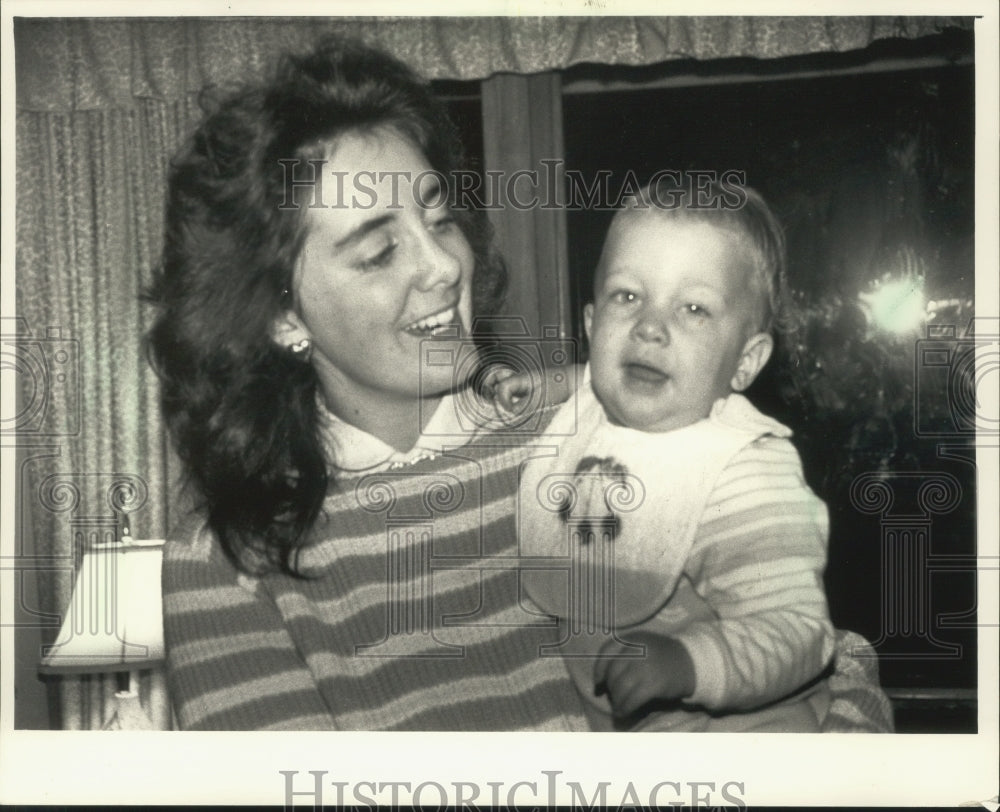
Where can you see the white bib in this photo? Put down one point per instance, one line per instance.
(611, 512)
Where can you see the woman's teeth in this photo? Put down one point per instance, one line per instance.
(434, 324)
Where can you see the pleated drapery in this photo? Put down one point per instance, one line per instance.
(102, 104)
(96, 64)
(90, 191)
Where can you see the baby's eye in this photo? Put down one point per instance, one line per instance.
(623, 297)
(693, 309)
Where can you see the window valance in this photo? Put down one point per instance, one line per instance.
(65, 64)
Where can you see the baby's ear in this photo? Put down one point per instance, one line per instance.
(588, 318)
(756, 352)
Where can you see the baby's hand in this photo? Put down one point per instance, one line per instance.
(512, 391)
(665, 672)
(506, 388)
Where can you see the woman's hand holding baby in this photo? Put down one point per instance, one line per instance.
(665, 672)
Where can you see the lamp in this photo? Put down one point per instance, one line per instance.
(114, 624)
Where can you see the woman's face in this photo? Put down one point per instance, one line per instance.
(383, 288)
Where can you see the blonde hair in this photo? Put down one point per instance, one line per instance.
(736, 208)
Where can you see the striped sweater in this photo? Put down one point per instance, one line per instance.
(410, 617)
(717, 542)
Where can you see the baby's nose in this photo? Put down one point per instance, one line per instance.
(652, 329)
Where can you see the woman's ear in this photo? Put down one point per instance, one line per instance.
(288, 329)
(756, 353)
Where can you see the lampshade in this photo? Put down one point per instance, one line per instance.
(114, 621)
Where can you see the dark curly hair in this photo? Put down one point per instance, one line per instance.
(241, 411)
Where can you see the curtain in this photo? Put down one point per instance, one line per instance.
(102, 104)
(95, 64)
(90, 191)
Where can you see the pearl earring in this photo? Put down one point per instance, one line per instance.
(302, 349)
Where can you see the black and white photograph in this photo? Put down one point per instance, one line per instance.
(402, 409)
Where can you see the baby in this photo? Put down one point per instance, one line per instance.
(665, 520)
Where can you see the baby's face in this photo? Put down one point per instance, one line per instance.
(672, 325)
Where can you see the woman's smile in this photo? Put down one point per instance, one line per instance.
(442, 323)
(375, 281)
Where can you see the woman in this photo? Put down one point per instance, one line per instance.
(353, 561)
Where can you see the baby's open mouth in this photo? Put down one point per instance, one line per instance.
(443, 323)
(645, 373)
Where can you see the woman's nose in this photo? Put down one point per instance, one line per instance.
(651, 328)
(437, 265)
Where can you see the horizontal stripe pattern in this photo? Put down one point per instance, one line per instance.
(384, 632)
(278, 653)
(757, 562)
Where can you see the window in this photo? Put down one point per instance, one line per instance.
(872, 175)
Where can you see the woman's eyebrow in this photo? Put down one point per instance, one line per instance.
(360, 231)
(432, 194)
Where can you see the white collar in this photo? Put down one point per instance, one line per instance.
(354, 450)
